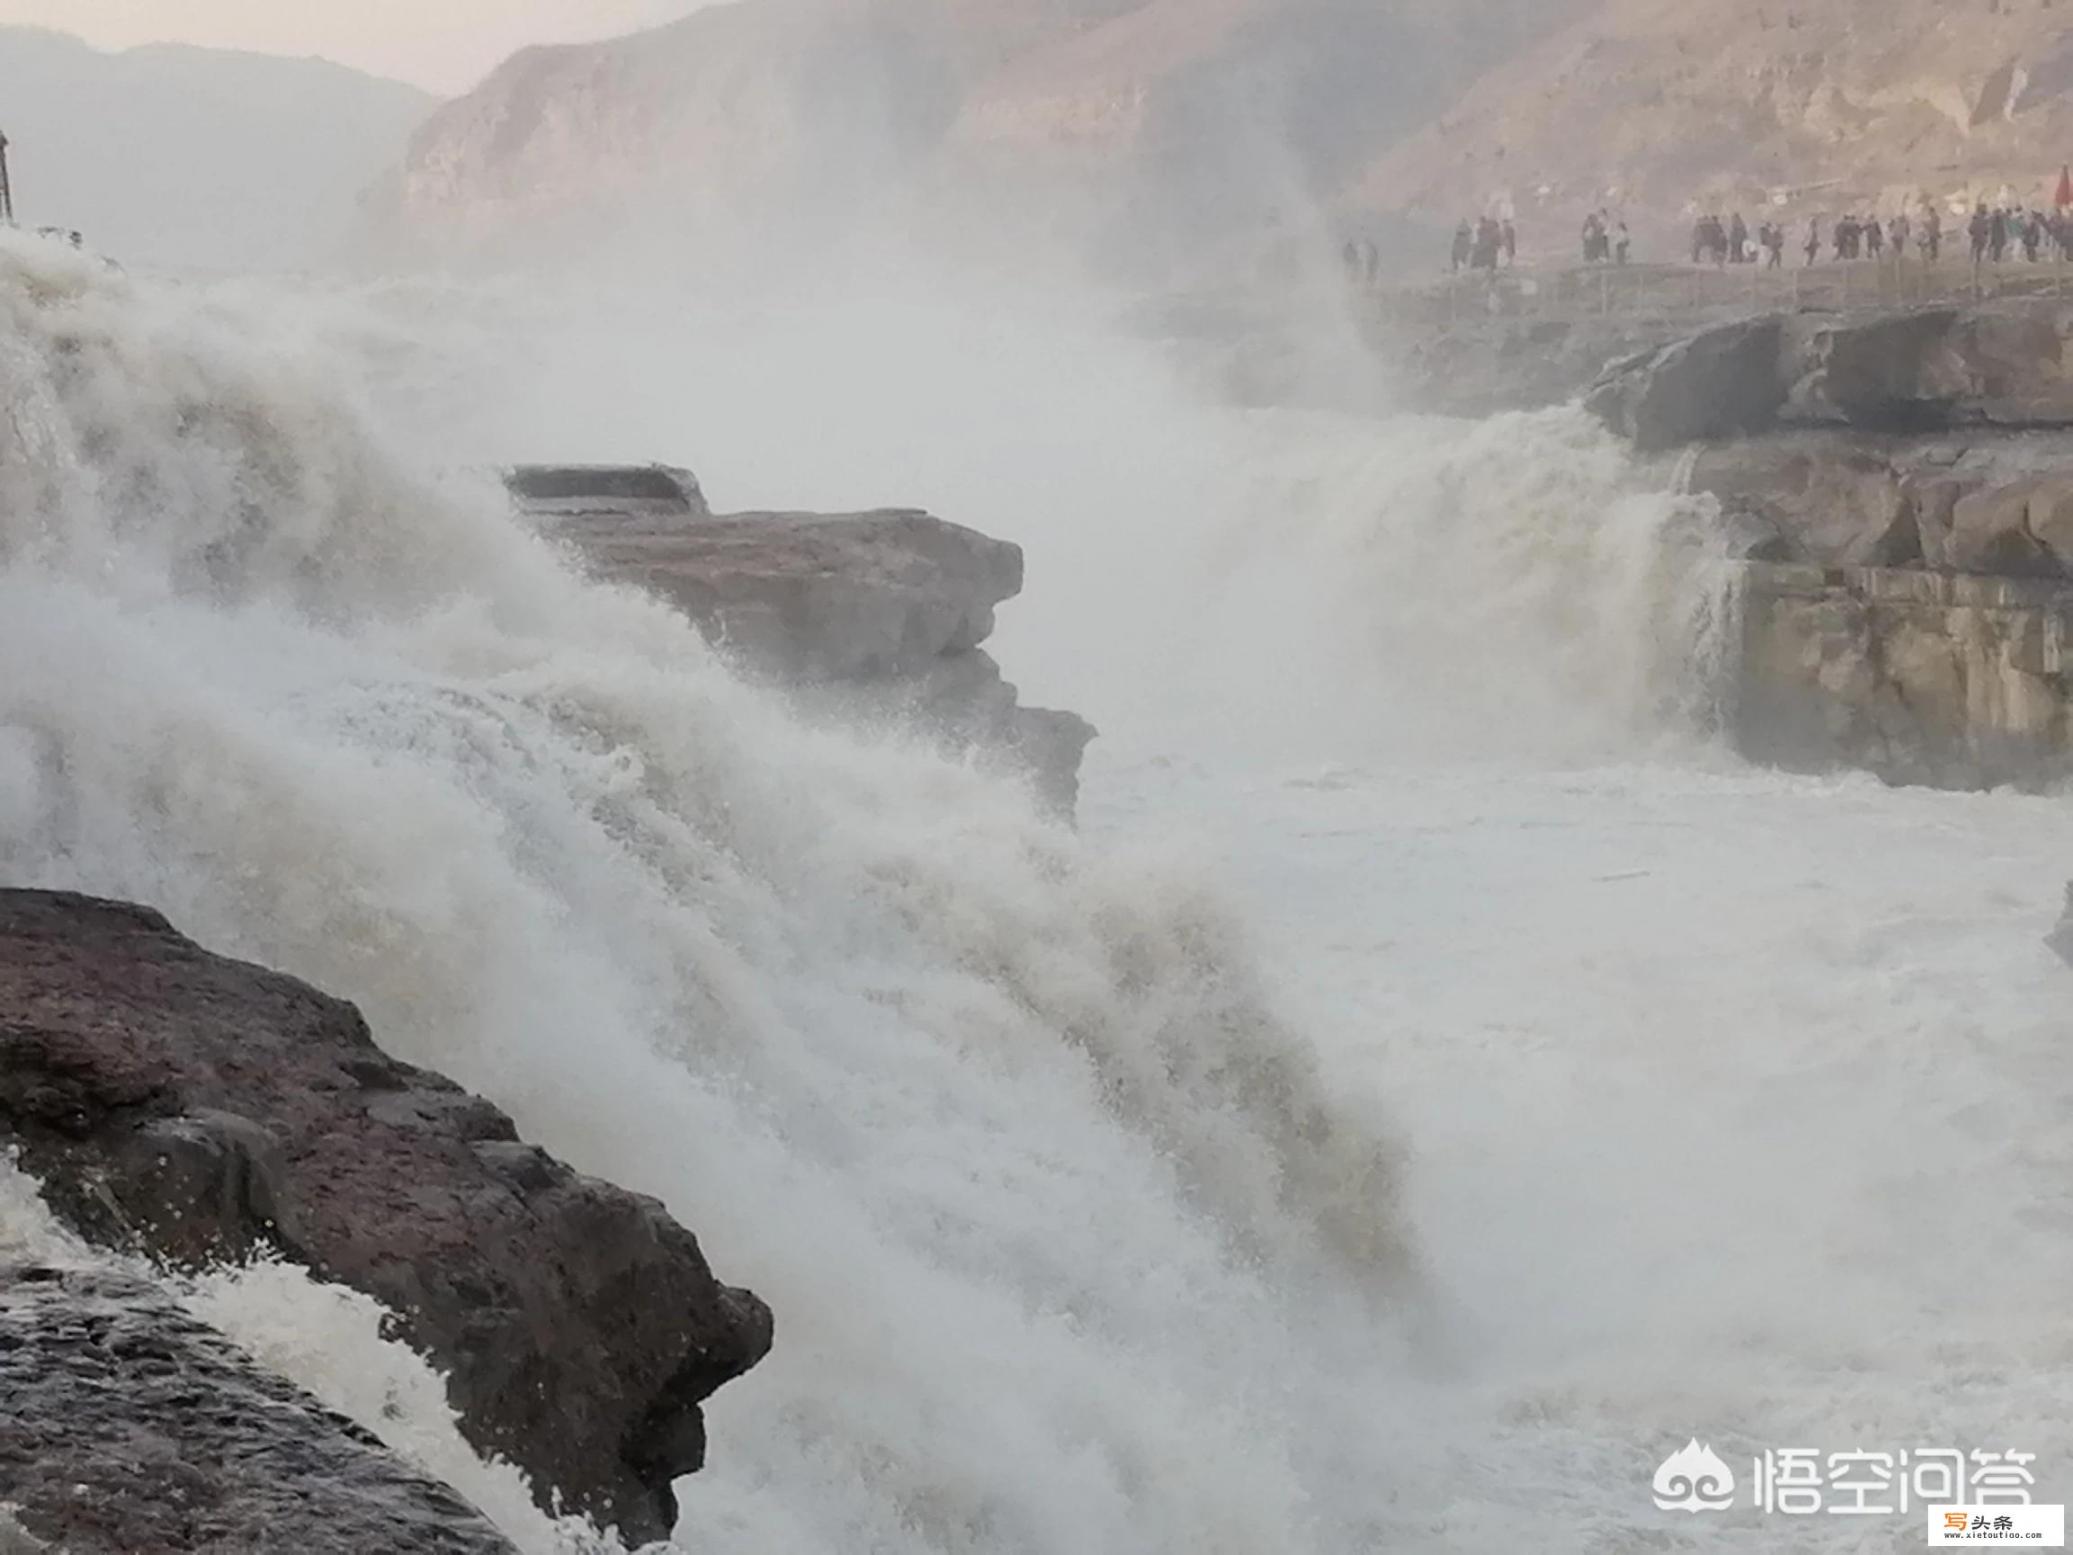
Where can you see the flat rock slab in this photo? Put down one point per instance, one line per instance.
(831, 596)
(127, 1426)
(195, 1108)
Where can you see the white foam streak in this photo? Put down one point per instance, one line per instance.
(327, 1340)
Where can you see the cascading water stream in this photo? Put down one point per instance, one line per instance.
(1049, 1203)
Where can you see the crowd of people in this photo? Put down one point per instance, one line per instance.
(1867, 237)
(1480, 246)
(1996, 233)
(1606, 240)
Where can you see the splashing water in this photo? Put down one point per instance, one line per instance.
(1073, 1244)
(1050, 1207)
(327, 1340)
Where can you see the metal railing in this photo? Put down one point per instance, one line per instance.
(1705, 291)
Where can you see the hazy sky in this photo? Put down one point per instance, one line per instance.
(446, 45)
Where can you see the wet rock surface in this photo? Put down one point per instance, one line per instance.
(1717, 383)
(126, 1426)
(1993, 365)
(193, 1108)
(878, 615)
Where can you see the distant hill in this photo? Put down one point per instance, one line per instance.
(191, 157)
(1155, 129)
(1147, 128)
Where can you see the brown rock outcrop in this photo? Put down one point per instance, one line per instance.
(877, 614)
(126, 1426)
(194, 1108)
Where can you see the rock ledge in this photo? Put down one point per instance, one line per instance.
(194, 1108)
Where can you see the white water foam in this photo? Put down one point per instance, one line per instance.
(1733, 1103)
(1050, 1207)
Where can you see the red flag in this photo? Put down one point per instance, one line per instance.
(2065, 187)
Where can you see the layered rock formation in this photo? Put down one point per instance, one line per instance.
(872, 615)
(1944, 679)
(1936, 436)
(193, 1108)
(126, 1426)
(1902, 484)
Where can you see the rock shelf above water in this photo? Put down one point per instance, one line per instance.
(879, 614)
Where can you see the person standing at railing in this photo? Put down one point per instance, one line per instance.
(1897, 233)
(1813, 244)
(1997, 235)
(1620, 242)
(1981, 230)
(1875, 238)
(1774, 244)
(1932, 233)
(1738, 239)
(1463, 242)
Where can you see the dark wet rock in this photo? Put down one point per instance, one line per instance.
(1999, 365)
(876, 616)
(575, 490)
(1895, 372)
(2024, 529)
(126, 1426)
(1828, 500)
(1718, 383)
(195, 1108)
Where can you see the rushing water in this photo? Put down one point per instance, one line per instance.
(1436, 1084)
